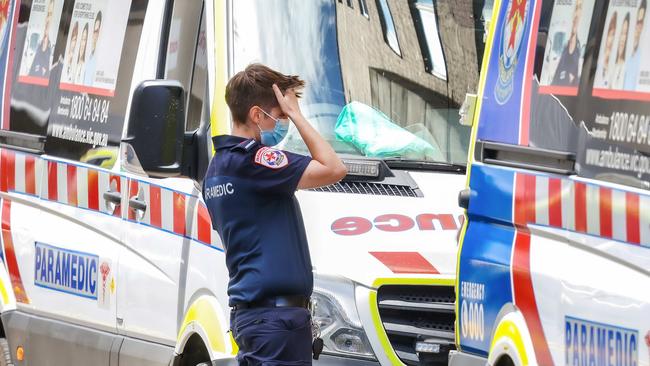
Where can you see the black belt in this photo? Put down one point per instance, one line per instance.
(275, 302)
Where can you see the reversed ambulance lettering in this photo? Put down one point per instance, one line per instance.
(472, 314)
(353, 225)
(65, 270)
(589, 343)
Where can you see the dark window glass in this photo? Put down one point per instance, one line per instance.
(183, 33)
(363, 8)
(424, 17)
(199, 88)
(388, 26)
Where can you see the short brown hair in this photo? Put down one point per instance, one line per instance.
(254, 87)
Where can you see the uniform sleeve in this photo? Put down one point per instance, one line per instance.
(277, 171)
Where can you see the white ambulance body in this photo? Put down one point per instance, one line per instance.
(107, 248)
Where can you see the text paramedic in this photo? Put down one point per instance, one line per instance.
(64, 270)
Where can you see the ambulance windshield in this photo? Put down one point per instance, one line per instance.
(412, 61)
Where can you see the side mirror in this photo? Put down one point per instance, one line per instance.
(157, 126)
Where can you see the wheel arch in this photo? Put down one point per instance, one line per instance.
(204, 321)
(194, 352)
(511, 341)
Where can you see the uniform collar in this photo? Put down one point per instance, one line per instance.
(232, 142)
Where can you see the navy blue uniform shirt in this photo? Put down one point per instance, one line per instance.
(249, 191)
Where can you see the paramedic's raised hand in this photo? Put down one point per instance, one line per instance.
(288, 102)
(326, 168)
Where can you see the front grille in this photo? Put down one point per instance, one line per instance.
(418, 313)
(369, 188)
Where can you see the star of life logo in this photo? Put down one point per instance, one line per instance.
(271, 158)
(510, 45)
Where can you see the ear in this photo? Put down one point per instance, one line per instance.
(254, 115)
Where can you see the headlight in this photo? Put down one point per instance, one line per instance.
(335, 314)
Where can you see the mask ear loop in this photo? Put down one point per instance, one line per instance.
(257, 124)
(270, 116)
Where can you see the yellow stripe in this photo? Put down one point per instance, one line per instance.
(508, 330)
(413, 281)
(381, 333)
(202, 313)
(472, 142)
(219, 117)
(374, 308)
(481, 84)
(233, 344)
(3, 292)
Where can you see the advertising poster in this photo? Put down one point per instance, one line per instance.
(623, 67)
(617, 114)
(96, 31)
(91, 60)
(42, 32)
(4, 19)
(565, 46)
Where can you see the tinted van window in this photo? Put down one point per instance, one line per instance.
(411, 61)
(616, 111)
(590, 90)
(69, 83)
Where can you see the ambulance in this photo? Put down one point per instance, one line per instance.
(554, 259)
(107, 112)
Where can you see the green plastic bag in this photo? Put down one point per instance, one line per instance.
(375, 135)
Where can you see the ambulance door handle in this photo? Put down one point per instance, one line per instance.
(137, 204)
(113, 197)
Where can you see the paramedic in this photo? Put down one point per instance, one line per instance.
(249, 191)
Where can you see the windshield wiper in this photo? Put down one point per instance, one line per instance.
(401, 163)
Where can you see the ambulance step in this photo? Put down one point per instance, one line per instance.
(418, 314)
(379, 189)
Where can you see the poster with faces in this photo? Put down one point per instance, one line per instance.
(565, 45)
(93, 48)
(42, 31)
(640, 48)
(5, 6)
(624, 54)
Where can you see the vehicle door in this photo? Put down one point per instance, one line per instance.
(159, 218)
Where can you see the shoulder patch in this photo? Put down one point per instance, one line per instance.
(271, 158)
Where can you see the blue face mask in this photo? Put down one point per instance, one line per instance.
(277, 134)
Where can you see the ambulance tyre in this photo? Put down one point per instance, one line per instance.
(5, 358)
(505, 361)
(194, 354)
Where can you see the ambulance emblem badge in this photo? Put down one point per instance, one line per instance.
(271, 158)
(510, 45)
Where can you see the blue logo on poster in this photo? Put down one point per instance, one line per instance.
(512, 34)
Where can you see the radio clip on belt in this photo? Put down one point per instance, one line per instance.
(317, 343)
